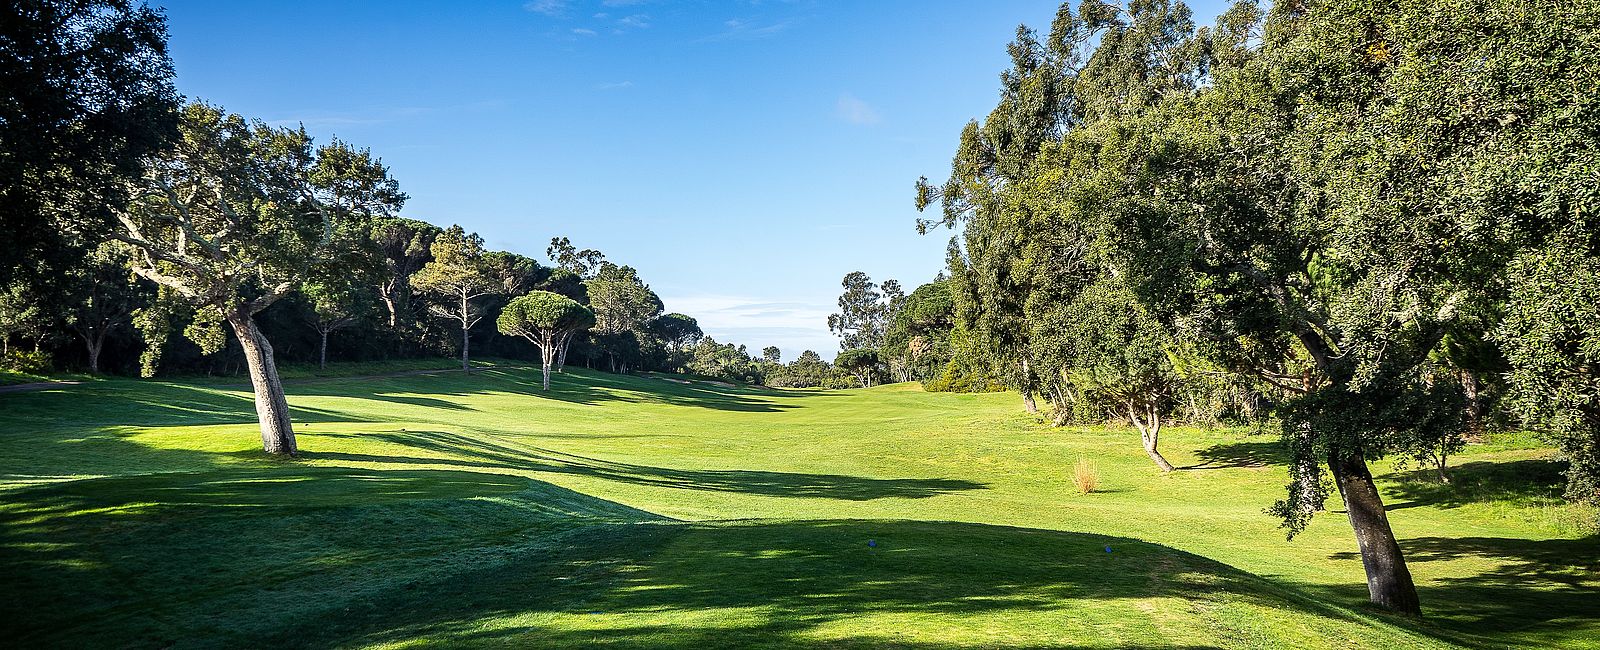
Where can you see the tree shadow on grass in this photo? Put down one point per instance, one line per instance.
(792, 583)
(1520, 482)
(1530, 583)
(1233, 455)
(454, 449)
(583, 387)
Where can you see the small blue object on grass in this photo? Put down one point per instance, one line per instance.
(1108, 549)
(872, 543)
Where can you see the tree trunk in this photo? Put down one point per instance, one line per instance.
(388, 301)
(547, 353)
(322, 349)
(1150, 433)
(561, 357)
(95, 341)
(1389, 582)
(1474, 393)
(1027, 400)
(272, 409)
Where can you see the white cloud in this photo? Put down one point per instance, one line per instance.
(638, 21)
(546, 7)
(583, 32)
(615, 85)
(623, 3)
(855, 111)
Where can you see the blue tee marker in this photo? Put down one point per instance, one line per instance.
(872, 543)
(1108, 549)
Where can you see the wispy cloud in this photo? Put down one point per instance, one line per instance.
(615, 85)
(793, 326)
(738, 29)
(546, 7)
(623, 3)
(583, 32)
(855, 111)
(636, 21)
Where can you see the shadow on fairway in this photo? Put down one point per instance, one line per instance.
(467, 452)
(576, 386)
(1520, 482)
(1233, 455)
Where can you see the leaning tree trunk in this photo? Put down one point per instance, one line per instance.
(1389, 582)
(272, 409)
(1150, 433)
(561, 357)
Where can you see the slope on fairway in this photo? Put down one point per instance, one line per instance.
(637, 512)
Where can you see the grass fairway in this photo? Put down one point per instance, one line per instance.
(636, 512)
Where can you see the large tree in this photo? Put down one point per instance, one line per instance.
(547, 320)
(236, 215)
(624, 306)
(458, 275)
(864, 311)
(85, 95)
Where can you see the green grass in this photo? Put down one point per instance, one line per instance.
(637, 512)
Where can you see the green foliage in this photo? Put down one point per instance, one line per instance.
(541, 312)
(88, 95)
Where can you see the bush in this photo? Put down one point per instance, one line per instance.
(1085, 477)
(33, 363)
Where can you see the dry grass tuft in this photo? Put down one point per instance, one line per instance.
(1085, 477)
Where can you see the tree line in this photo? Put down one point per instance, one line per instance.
(1374, 219)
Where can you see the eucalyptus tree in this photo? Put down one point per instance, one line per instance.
(235, 216)
(582, 263)
(864, 309)
(546, 319)
(991, 272)
(85, 95)
(458, 276)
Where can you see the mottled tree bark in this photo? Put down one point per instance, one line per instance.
(1389, 582)
(272, 409)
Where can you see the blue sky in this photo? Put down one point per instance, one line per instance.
(744, 156)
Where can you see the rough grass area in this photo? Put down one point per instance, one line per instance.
(641, 513)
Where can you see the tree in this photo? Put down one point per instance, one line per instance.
(584, 263)
(106, 295)
(458, 273)
(917, 340)
(623, 308)
(861, 362)
(87, 96)
(863, 311)
(547, 320)
(771, 354)
(333, 305)
(235, 216)
(407, 246)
